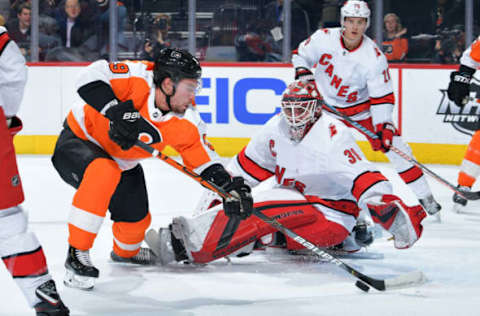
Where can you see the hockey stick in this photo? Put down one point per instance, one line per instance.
(465, 194)
(363, 282)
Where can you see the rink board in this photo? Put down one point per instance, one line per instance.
(238, 98)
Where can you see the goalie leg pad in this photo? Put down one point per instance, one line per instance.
(10, 183)
(402, 221)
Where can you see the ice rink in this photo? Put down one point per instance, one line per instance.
(264, 283)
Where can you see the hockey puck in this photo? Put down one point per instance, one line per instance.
(362, 286)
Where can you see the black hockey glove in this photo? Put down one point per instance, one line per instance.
(459, 86)
(241, 205)
(124, 124)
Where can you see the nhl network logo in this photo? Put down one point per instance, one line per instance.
(466, 119)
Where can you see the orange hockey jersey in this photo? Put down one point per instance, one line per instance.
(186, 133)
(471, 56)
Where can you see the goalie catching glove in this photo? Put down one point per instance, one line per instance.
(459, 86)
(240, 205)
(124, 124)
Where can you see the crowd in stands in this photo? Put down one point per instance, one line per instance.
(233, 30)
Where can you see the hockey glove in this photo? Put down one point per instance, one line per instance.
(459, 86)
(385, 133)
(241, 204)
(124, 124)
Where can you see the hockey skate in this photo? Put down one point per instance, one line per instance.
(459, 202)
(51, 304)
(80, 272)
(144, 257)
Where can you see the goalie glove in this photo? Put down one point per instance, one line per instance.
(459, 86)
(240, 205)
(385, 133)
(124, 124)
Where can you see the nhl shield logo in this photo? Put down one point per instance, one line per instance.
(466, 119)
(15, 181)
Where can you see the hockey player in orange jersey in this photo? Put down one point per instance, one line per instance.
(96, 153)
(458, 91)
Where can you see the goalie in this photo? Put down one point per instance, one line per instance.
(322, 181)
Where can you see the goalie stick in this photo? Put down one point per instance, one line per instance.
(402, 280)
(465, 194)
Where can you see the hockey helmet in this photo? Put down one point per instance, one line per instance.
(176, 64)
(355, 9)
(301, 107)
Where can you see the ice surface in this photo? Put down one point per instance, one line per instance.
(266, 283)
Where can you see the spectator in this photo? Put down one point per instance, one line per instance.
(103, 18)
(395, 44)
(158, 38)
(74, 28)
(257, 44)
(274, 21)
(2, 20)
(449, 48)
(19, 28)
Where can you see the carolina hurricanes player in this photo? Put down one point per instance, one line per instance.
(458, 90)
(19, 249)
(322, 181)
(352, 75)
(95, 153)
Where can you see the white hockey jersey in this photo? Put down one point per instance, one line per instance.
(357, 82)
(327, 164)
(13, 74)
(471, 56)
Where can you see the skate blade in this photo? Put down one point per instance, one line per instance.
(78, 281)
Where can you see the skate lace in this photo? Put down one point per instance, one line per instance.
(83, 257)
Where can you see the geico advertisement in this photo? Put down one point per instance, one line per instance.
(235, 101)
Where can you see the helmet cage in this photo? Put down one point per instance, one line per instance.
(297, 113)
(355, 9)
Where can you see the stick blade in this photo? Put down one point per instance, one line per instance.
(405, 280)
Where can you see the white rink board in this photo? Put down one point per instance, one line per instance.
(237, 100)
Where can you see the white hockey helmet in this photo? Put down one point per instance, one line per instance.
(301, 107)
(355, 9)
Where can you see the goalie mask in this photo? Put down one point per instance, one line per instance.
(301, 107)
(355, 9)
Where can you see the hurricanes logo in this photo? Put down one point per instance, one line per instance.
(466, 119)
